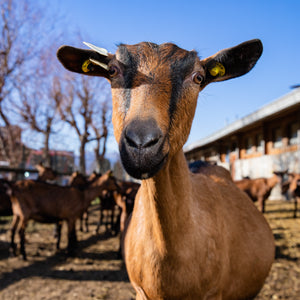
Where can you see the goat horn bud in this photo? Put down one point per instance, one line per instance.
(99, 50)
(96, 62)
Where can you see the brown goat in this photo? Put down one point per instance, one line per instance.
(294, 190)
(258, 189)
(45, 173)
(124, 198)
(80, 181)
(191, 236)
(208, 169)
(107, 208)
(47, 203)
(106, 197)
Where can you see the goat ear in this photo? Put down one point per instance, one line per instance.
(87, 62)
(232, 62)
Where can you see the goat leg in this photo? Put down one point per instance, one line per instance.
(13, 245)
(295, 207)
(22, 240)
(86, 219)
(58, 226)
(112, 216)
(100, 221)
(81, 224)
(72, 239)
(261, 204)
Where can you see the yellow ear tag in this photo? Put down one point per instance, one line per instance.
(217, 70)
(85, 66)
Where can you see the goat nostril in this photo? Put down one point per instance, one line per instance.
(151, 142)
(131, 142)
(142, 137)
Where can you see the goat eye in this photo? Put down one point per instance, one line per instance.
(198, 78)
(113, 71)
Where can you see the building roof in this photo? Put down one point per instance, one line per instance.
(287, 101)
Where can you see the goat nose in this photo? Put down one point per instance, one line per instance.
(142, 134)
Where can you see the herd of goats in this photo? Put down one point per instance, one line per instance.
(43, 201)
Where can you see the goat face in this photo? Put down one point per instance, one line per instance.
(154, 92)
(154, 99)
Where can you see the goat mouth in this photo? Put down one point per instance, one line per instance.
(157, 168)
(142, 164)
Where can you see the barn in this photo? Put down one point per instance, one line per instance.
(254, 146)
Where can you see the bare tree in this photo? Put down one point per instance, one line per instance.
(78, 109)
(101, 126)
(39, 106)
(19, 62)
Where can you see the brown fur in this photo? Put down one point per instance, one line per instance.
(107, 209)
(294, 190)
(169, 250)
(212, 171)
(124, 198)
(80, 181)
(45, 173)
(42, 202)
(258, 189)
(107, 203)
(191, 236)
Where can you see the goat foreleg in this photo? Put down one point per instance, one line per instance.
(72, 239)
(112, 217)
(84, 220)
(13, 246)
(100, 221)
(296, 199)
(261, 204)
(22, 239)
(58, 226)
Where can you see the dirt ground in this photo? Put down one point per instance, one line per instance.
(96, 272)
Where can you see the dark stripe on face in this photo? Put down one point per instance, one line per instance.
(130, 64)
(179, 70)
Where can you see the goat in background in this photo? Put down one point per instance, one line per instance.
(259, 189)
(48, 203)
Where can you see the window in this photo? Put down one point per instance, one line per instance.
(293, 133)
(233, 147)
(249, 145)
(277, 138)
(259, 142)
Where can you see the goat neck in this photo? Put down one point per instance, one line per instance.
(162, 203)
(104, 182)
(273, 181)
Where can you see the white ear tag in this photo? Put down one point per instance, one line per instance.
(99, 50)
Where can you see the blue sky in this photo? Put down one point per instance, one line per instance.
(206, 26)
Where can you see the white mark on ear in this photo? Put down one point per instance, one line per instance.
(99, 50)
